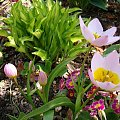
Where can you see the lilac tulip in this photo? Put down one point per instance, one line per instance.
(105, 71)
(95, 35)
(10, 70)
(42, 78)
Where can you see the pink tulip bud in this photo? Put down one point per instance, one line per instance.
(33, 67)
(10, 70)
(42, 78)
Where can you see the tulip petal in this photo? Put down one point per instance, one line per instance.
(100, 41)
(112, 40)
(94, 65)
(111, 62)
(117, 88)
(86, 33)
(95, 26)
(107, 86)
(91, 78)
(110, 32)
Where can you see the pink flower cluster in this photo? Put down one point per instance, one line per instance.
(69, 81)
(116, 106)
(95, 107)
(92, 90)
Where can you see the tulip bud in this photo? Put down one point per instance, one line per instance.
(33, 67)
(42, 78)
(10, 70)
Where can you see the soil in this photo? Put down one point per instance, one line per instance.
(11, 101)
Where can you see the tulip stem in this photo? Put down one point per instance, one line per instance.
(16, 83)
(82, 67)
(26, 97)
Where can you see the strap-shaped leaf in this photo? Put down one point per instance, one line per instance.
(54, 74)
(60, 101)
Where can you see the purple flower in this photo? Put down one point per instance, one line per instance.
(95, 107)
(42, 78)
(95, 35)
(92, 90)
(116, 106)
(91, 110)
(74, 75)
(69, 84)
(99, 105)
(10, 70)
(62, 84)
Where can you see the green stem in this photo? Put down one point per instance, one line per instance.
(84, 104)
(28, 85)
(16, 83)
(44, 97)
(82, 67)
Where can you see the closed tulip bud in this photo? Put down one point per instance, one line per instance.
(10, 70)
(42, 78)
(33, 67)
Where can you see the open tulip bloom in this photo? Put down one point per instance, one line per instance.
(105, 71)
(95, 35)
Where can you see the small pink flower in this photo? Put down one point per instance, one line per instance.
(10, 70)
(62, 84)
(99, 105)
(95, 107)
(92, 90)
(42, 78)
(71, 93)
(69, 84)
(116, 106)
(93, 112)
(95, 35)
(74, 75)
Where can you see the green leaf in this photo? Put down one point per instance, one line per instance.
(32, 92)
(4, 33)
(111, 48)
(37, 33)
(22, 114)
(60, 101)
(24, 72)
(99, 3)
(11, 42)
(26, 65)
(54, 74)
(41, 53)
(12, 117)
(112, 116)
(26, 38)
(84, 116)
(48, 115)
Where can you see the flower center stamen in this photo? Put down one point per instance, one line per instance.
(96, 35)
(103, 75)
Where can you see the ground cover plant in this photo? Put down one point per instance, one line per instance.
(52, 37)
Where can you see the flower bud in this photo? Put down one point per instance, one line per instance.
(33, 67)
(42, 78)
(10, 70)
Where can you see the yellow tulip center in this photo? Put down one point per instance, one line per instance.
(103, 75)
(96, 35)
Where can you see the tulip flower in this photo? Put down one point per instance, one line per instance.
(10, 70)
(42, 78)
(95, 35)
(105, 71)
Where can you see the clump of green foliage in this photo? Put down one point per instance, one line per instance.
(44, 29)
